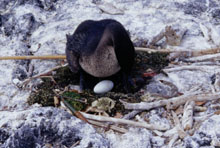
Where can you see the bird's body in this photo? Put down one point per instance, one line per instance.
(102, 63)
(100, 49)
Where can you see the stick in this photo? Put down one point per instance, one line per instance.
(203, 118)
(157, 37)
(187, 119)
(26, 81)
(123, 121)
(131, 114)
(113, 127)
(200, 109)
(173, 102)
(54, 57)
(212, 57)
(187, 52)
(173, 140)
(46, 57)
(149, 50)
(178, 126)
(73, 111)
(187, 67)
(170, 132)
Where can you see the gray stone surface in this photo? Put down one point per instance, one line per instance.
(207, 135)
(41, 126)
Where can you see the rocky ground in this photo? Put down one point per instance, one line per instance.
(39, 27)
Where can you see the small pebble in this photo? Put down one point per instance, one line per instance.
(16, 81)
(75, 87)
(103, 87)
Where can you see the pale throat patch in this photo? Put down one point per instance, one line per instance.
(102, 63)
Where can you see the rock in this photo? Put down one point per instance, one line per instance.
(162, 89)
(189, 142)
(19, 25)
(38, 127)
(4, 135)
(207, 135)
(193, 7)
(216, 13)
(16, 81)
(75, 87)
(103, 87)
(155, 117)
(110, 9)
(136, 138)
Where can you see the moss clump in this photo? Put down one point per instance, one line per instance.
(74, 100)
(44, 94)
(71, 94)
(157, 61)
(144, 61)
(63, 77)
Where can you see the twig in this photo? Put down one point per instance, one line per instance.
(181, 68)
(178, 126)
(188, 67)
(123, 121)
(46, 57)
(54, 57)
(113, 127)
(75, 144)
(188, 53)
(158, 133)
(170, 132)
(213, 57)
(131, 115)
(210, 63)
(173, 140)
(157, 37)
(187, 119)
(200, 109)
(45, 74)
(202, 118)
(149, 50)
(173, 102)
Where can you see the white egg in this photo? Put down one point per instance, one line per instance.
(103, 87)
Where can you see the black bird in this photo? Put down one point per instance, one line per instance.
(100, 49)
